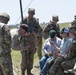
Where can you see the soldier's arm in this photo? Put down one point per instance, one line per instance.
(16, 45)
(16, 40)
(6, 34)
(37, 26)
(72, 53)
(46, 29)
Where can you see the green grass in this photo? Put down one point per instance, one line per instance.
(64, 25)
(16, 57)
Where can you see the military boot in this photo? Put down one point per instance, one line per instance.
(29, 73)
(22, 72)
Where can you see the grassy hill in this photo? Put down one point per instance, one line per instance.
(64, 25)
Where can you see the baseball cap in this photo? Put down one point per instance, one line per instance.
(65, 30)
(52, 33)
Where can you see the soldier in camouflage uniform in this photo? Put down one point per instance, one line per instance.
(39, 42)
(5, 46)
(20, 42)
(33, 28)
(62, 64)
(52, 25)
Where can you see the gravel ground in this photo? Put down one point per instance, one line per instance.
(35, 70)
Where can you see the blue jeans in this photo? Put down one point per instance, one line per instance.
(43, 63)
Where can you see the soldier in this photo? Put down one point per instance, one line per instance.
(33, 28)
(5, 46)
(68, 61)
(20, 42)
(52, 25)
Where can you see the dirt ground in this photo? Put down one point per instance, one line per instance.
(35, 70)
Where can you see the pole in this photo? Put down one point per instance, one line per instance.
(26, 53)
(21, 11)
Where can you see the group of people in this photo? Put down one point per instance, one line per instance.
(59, 47)
(26, 38)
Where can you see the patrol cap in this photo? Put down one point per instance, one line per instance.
(55, 17)
(31, 10)
(5, 15)
(24, 26)
(72, 29)
(65, 30)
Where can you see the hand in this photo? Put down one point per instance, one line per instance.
(47, 53)
(52, 43)
(50, 53)
(33, 33)
(28, 34)
(64, 56)
(27, 47)
(55, 54)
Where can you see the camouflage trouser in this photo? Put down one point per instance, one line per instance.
(60, 65)
(29, 59)
(60, 71)
(65, 65)
(6, 65)
(1, 73)
(39, 45)
(68, 64)
(54, 68)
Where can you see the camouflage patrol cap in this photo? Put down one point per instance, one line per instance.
(31, 10)
(5, 15)
(55, 17)
(73, 27)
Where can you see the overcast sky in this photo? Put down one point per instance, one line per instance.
(66, 9)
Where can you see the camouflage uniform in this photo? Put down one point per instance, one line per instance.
(5, 50)
(39, 43)
(67, 62)
(30, 53)
(33, 26)
(20, 42)
(5, 46)
(51, 26)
